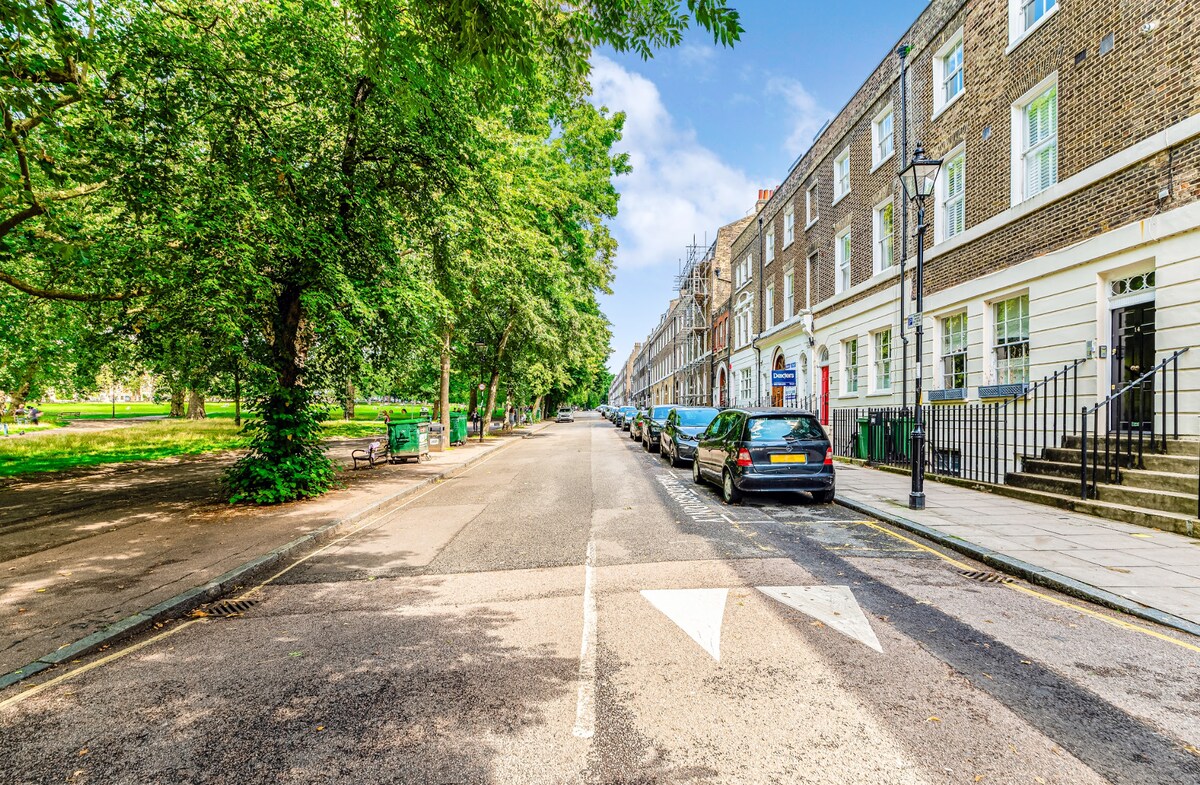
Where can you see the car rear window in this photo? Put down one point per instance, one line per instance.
(696, 418)
(765, 429)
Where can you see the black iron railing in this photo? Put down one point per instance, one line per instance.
(1136, 418)
(983, 441)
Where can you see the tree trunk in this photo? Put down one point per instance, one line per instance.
(348, 406)
(444, 397)
(237, 394)
(195, 408)
(176, 402)
(22, 391)
(536, 410)
(493, 383)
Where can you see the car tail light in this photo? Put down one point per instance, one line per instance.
(828, 456)
(743, 458)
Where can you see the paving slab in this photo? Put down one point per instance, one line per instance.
(1150, 570)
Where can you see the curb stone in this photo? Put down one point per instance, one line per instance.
(234, 579)
(1029, 572)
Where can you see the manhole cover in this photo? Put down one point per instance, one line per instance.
(227, 608)
(986, 577)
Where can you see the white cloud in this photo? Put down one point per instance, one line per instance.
(678, 187)
(806, 116)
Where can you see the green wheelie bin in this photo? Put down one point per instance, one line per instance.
(458, 427)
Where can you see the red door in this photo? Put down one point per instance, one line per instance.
(824, 395)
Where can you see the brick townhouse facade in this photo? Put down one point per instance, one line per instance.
(620, 392)
(1066, 210)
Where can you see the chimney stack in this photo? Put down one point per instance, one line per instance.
(763, 195)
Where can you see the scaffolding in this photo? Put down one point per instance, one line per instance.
(692, 340)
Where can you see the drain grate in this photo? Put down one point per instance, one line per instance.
(227, 608)
(985, 577)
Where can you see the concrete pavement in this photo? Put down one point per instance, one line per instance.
(86, 550)
(581, 613)
(1151, 568)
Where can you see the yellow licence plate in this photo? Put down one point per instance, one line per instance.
(789, 459)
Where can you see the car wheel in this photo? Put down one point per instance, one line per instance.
(674, 456)
(645, 444)
(823, 497)
(656, 448)
(729, 492)
(697, 477)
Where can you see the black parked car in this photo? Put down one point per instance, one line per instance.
(682, 432)
(765, 450)
(652, 426)
(625, 417)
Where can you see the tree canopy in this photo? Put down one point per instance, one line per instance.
(311, 196)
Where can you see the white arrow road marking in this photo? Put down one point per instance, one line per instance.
(698, 612)
(833, 605)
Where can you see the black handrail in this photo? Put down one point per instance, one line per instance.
(1114, 456)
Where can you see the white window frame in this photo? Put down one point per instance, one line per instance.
(769, 243)
(1020, 147)
(851, 348)
(789, 224)
(769, 307)
(941, 219)
(947, 349)
(745, 385)
(877, 249)
(843, 248)
(789, 294)
(1018, 31)
(1001, 342)
(878, 157)
(879, 362)
(838, 193)
(940, 102)
(812, 206)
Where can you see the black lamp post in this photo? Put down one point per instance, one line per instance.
(917, 180)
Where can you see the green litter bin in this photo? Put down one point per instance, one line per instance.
(902, 428)
(864, 437)
(458, 427)
(408, 439)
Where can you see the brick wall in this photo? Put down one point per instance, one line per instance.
(1147, 82)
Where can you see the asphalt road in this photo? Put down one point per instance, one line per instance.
(574, 611)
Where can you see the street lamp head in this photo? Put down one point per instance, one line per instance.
(919, 176)
(481, 347)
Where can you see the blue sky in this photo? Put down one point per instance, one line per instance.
(708, 127)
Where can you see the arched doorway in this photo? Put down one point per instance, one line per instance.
(778, 364)
(823, 390)
(721, 387)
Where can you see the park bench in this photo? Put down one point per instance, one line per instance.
(375, 453)
(69, 415)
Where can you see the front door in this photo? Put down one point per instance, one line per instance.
(1133, 356)
(824, 395)
(777, 396)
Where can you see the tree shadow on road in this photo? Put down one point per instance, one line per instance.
(442, 695)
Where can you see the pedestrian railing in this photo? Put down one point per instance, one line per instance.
(983, 442)
(1134, 419)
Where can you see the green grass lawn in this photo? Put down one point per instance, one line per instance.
(68, 449)
(214, 410)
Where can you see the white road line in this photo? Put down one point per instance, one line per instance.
(585, 706)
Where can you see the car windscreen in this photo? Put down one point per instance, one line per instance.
(628, 410)
(769, 429)
(661, 412)
(696, 418)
